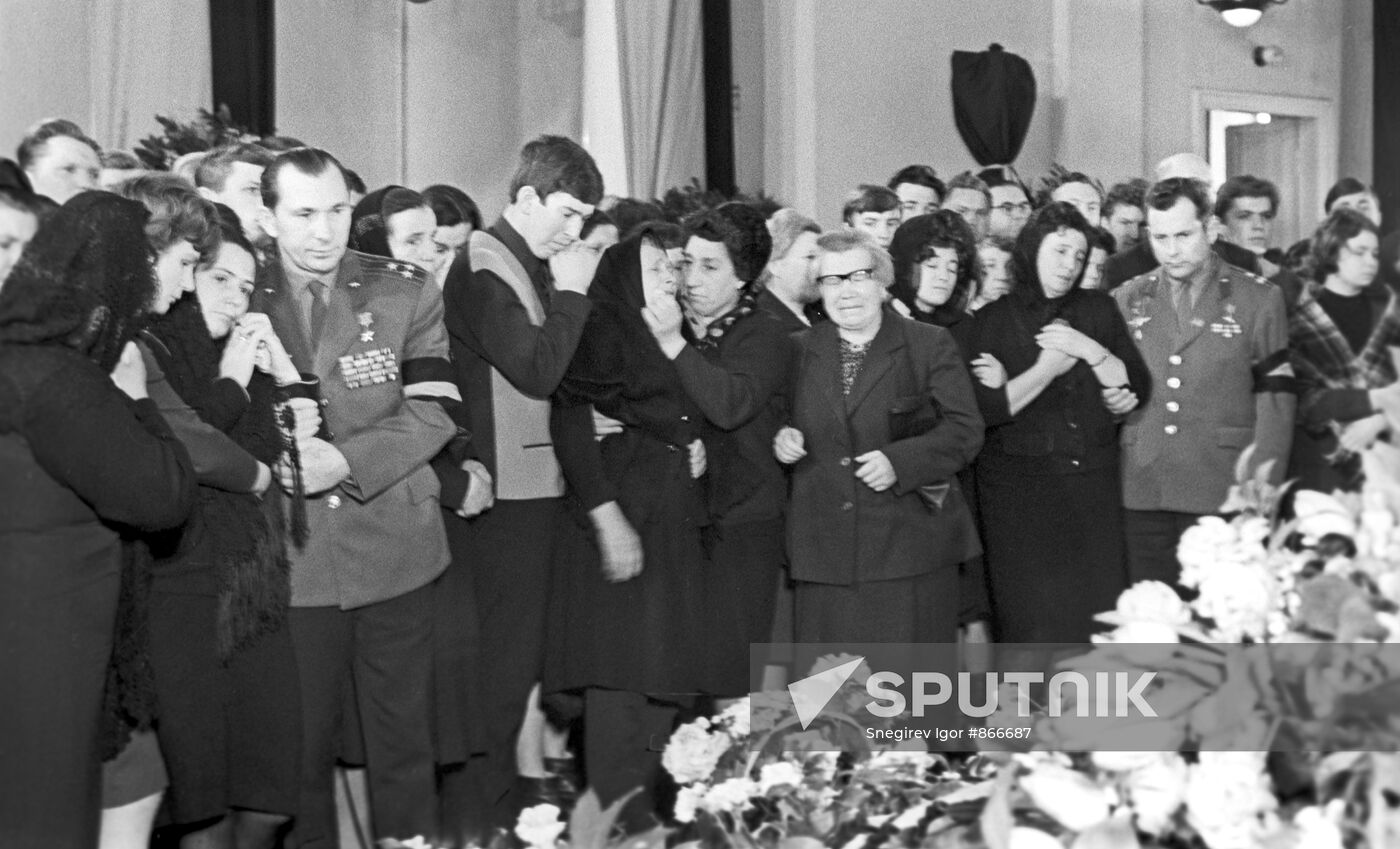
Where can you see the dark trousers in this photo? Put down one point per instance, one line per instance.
(1151, 537)
(624, 735)
(383, 651)
(509, 550)
(56, 629)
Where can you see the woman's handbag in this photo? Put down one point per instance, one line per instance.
(914, 415)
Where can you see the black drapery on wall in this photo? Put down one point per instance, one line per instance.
(719, 96)
(993, 101)
(241, 37)
(1386, 103)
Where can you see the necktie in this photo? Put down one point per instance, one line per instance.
(1183, 306)
(318, 309)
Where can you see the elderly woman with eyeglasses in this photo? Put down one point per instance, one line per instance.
(882, 408)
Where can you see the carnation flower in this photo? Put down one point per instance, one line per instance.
(1156, 791)
(1239, 597)
(1153, 601)
(1228, 800)
(735, 719)
(1202, 545)
(688, 800)
(539, 826)
(1070, 798)
(729, 796)
(1318, 515)
(693, 752)
(1317, 827)
(777, 775)
(1023, 837)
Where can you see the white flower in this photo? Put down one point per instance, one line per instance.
(730, 795)
(539, 826)
(1070, 798)
(1228, 800)
(1202, 545)
(1239, 597)
(688, 798)
(1317, 829)
(1140, 633)
(1156, 791)
(1319, 515)
(778, 774)
(1124, 761)
(693, 752)
(735, 719)
(1153, 601)
(1023, 837)
(823, 765)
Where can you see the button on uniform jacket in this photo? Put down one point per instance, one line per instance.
(381, 358)
(840, 531)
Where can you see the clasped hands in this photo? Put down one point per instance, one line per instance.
(875, 469)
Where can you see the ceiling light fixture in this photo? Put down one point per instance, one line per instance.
(1241, 13)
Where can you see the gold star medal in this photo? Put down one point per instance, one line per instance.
(366, 320)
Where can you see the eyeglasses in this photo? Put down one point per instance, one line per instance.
(860, 275)
(1009, 208)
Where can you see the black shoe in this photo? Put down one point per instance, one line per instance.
(568, 784)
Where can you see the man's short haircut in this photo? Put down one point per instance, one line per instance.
(841, 241)
(742, 229)
(999, 176)
(919, 175)
(1100, 238)
(1341, 226)
(969, 180)
(120, 160)
(281, 144)
(311, 161)
(1244, 186)
(1342, 188)
(213, 171)
(178, 213)
(354, 182)
(552, 164)
(1130, 193)
(31, 147)
(1164, 194)
(452, 206)
(1059, 177)
(599, 218)
(868, 198)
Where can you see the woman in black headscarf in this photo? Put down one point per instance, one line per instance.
(1047, 478)
(624, 611)
(397, 223)
(83, 455)
(220, 651)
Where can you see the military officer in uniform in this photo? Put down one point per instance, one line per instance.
(371, 330)
(1215, 339)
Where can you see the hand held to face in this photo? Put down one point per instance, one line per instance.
(573, 268)
(129, 374)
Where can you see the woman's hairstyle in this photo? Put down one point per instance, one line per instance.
(841, 241)
(369, 223)
(1044, 222)
(230, 231)
(552, 164)
(599, 218)
(631, 212)
(452, 206)
(669, 236)
(178, 213)
(915, 242)
(1341, 227)
(742, 229)
(1100, 238)
(86, 280)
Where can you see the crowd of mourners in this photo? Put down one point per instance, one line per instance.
(295, 475)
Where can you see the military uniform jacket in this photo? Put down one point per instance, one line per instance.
(1218, 385)
(381, 360)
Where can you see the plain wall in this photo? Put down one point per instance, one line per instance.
(1358, 88)
(1114, 83)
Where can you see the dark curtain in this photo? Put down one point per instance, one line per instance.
(993, 101)
(1386, 145)
(719, 96)
(241, 37)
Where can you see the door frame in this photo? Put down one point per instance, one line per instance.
(1322, 110)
